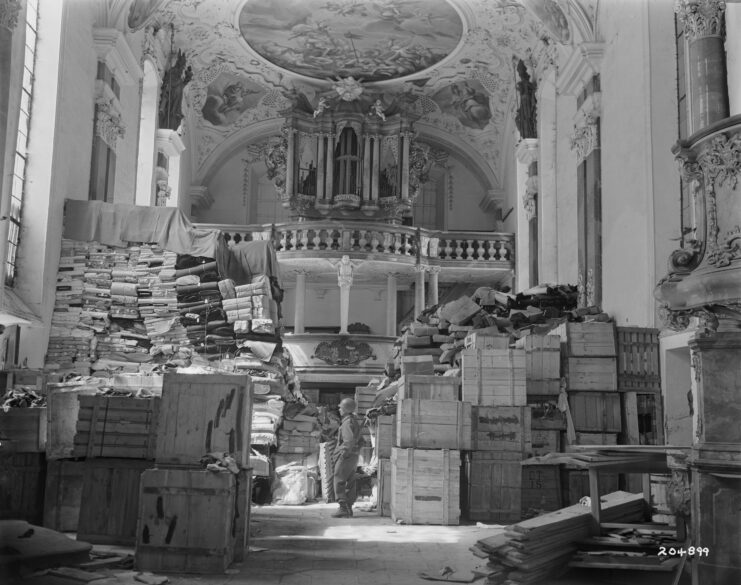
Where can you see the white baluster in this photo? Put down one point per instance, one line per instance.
(305, 239)
(470, 250)
(407, 245)
(448, 249)
(387, 243)
(284, 240)
(458, 249)
(317, 239)
(362, 240)
(374, 242)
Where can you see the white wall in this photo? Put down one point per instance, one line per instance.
(468, 192)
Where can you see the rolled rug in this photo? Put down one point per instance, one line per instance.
(198, 269)
(187, 280)
(236, 304)
(197, 287)
(126, 289)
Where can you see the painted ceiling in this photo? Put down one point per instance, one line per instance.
(450, 62)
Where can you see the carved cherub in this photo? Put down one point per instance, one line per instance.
(377, 109)
(321, 106)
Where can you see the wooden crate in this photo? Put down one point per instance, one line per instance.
(494, 488)
(242, 513)
(501, 428)
(63, 494)
(186, 521)
(545, 442)
(433, 424)
(543, 387)
(595, 411)
(430, 388)
(494, 377)
(638, 359)
(201, 413)
(22, 479)
(385, 435)
(591, 339)
(24, 429)
(478, 340)
(545, 414)
(110, 500)
(117, 427)
(576, 484)
(542, 357)
(384, 488)
(62, 408)
(417, 364)
(541, 487)
(365, 396)
(425, 486)
(591, 373)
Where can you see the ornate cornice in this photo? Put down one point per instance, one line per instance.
(112, 48)
(9, 12)
(701, 18)
(585, 139)
(584, 62)
(108, 123)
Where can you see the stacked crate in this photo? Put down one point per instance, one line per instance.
(191, 519)
(365, 396)
(432, 427)
(494, 381)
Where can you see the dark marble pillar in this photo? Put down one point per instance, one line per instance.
(716, 459)
(703, 22)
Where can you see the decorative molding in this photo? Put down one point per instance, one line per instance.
(9, 13)
(155, 47)
(591, 109)
(585, 62)
(112, 48)
(200, 197)
(169, 142)
(493, 200)
(527, 151)
(679, 493)
(529, 198)
(343, 351)
(345, 272)
(585, 139)
(108, 123)
(701, 18)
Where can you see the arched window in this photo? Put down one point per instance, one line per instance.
(346, 164)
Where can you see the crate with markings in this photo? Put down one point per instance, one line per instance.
(494, 377)
(433, 424)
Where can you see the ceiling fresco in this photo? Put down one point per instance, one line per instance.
(373, 41)
(451, 63)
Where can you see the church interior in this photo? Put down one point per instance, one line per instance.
(505, 231)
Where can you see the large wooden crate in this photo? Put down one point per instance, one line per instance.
(22, 479)
(62, 410)
(385, 435)
(417, 364)
(433, 424)
(494, 487)
(186, 521)
(494, 377)
(384, 487)
(638, 359)
(110, 500)
(545, 442)
(541, 487)
(201, 413)
(591, 373)
(63, 494)
(426, 486)
(24, 429)
(501, 428)
(542, 364)
(576, 484)
(595, 411)
(364, 398)
(591, 339)
(430, 388)
(117, 427)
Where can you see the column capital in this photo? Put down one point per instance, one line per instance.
(9, 13)
(701, 18)
(345, 272)
(421, 268)
(585, 139)
(169, 142)
(108, 124)
(527, 151)
(432, 269)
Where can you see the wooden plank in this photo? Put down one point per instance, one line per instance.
(544, 442)
(430, 388)
(242, 513)
(591, 373)
(186, 521)
(63, 494)
(204, 413)
(542, 357)
(433, 424)
(501, 428)
(385, 435)
(638, 359)
(594, 495)
(595, 411)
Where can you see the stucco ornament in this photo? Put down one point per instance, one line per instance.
(701, 18)
(343, 352)
(585, 139)
(108, 123)
(349, 89)
(9, 12)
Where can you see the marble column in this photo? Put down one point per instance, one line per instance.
(344, 280)
(419, 289)
(290, 161)
(320, 169)
(405, 137)
(391, 304)
(703, 22)
(366, 168)
(433, 285)
(298, 311)
(527, 189)
(329, 173)
(376, 177)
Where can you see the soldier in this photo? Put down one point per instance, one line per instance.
(346, 456)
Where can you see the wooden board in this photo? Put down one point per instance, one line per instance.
(201, 413)
(116, 427)
(419, 364)
(433, 424)
(494, 377)
(587, 339)
(501, 428)
(541, 488)
(365, 396)
(385, 487)
(385, 435)
(24, 429)
(542, 357)
(591, 373)
(186, 521)
(638, 359)
(63, 494)
(112, 486)
(478, 340)
(494, 487)
(62, 408)
(426, 486)
(595, 411)
(545, 442)
(22, 479)
(430, 388)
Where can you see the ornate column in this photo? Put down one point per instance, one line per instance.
(391, 304)
(376, 168)
(405, 137)
(433, 286)
(329, 174)
(298, 312)
(419, 289)
(527, 191)
(366, 168)
(290, 162)
(703, 22)
(344, 279)
(320, 168)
